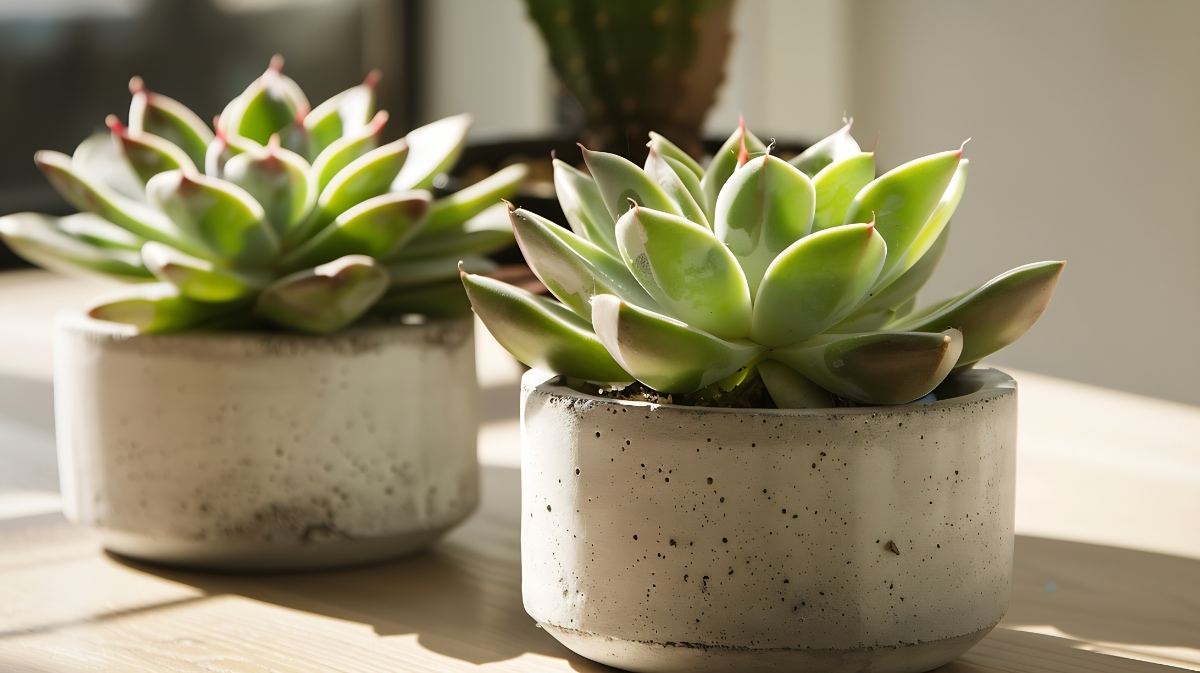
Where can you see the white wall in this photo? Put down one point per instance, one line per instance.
(1085, 119)
(485, 57)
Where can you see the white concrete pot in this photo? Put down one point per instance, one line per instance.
(671, 538)
(261, 451)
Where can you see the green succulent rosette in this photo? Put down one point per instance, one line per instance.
(803, 273)
(282, 215)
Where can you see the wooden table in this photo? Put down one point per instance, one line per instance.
(1107, 572)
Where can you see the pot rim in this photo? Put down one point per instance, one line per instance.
(76, 320)
(983, 384)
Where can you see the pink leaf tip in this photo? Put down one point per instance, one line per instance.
(114, 124)
(372, 78)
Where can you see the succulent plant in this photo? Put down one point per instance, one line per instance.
(801, 275)
(637, 66)
(282, 216)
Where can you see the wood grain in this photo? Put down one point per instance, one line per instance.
(65, 606)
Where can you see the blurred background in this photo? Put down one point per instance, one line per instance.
(1082, 113)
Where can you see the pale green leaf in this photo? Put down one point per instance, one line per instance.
(996, 313)
(838, 146)
(433, 150)
(452, 210)
(572, 268)
(584, 207)
(816, 282)
(199, 279)
(374, 228)
(326, 298)
(875, 367)
(791, 390)
(169, 119)
(764, 207)
(540, 332)
(221, 215)
(687, 270)
(45, 241)
(158, 307)
(836, 186)
(724, 163)
(662, 352)
(620, 182)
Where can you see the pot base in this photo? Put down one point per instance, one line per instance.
(670, 657)
(268, 556)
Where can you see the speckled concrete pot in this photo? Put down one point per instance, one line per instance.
(670, 538)
(267, 451)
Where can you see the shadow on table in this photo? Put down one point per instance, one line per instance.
(462, 598)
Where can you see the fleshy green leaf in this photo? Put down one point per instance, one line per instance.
(440, 300)
(433, 149)
(148, 155)
(540, 332)
(906, 287)
(168, 119)
(43, 240)
(664, 353)
(266, 107)
(765, 206)
(343, 151)
(584, 207)
(374, 228)
(326, 298)
(725, 162)
(932, 231)
(483, 234)
(158, 307)
(901, 202)
(91, 196)
(687, 270)
(197, 278)
(223, 148)
(421, 272)
(620, 181)
(790, 390)
(570, 267)
(364, 178)
(838, 146)
(342, 114)
(836, 186)
(97, 231)
(876, 367)
(99, 158)
(665, 176)
(996, 313)
(229, 222)
(816, 282)
(278, 180)
(469, 201)
(665, 148)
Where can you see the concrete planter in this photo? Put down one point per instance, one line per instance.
(266, 451)
(670, 538)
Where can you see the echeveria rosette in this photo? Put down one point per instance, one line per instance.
(282, 215)
(803, 273)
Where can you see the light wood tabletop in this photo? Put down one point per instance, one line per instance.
(1107, 573)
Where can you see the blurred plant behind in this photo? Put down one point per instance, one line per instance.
(64, 66)
(638, 66)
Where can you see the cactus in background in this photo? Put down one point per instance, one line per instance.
(287, 216)
(638, 66)
(801, 276)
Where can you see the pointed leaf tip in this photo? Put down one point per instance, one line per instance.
(276, 64)
(137, 85)
(372, 78)
(114, 124)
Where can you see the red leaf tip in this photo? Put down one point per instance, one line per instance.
(276, 64)
(372, 78)
(377, 122)
(114, 124)
(136, 85)
(743, 156)
(962, 146)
